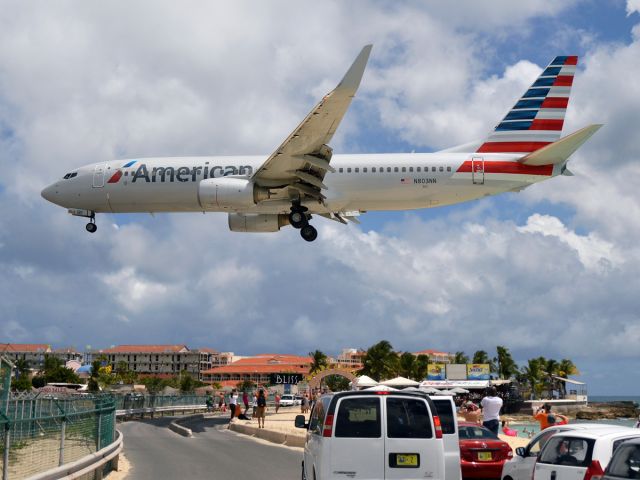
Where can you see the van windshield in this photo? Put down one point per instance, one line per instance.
(408, 418)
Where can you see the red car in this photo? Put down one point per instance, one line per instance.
(482, 453)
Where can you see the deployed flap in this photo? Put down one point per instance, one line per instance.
(560, 151)
(305, 150)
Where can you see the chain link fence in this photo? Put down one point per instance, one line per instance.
(40, 432)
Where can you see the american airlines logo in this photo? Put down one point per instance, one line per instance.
(181, 174)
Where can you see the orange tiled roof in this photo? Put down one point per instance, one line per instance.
(280, 368)
(24, 347)
(146, 349)
(431, 352)
(273, 359)
(208, 350)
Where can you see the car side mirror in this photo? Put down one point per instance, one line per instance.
(300, 422)
(521, 452)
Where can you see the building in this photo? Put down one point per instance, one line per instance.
(33, 353)
(349, 358)
(257, 369)
(435, 356)
(210, 358)
(67, 354)
(154, 360)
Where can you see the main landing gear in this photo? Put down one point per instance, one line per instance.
(298, 218)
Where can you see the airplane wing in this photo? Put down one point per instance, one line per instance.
(302, 160)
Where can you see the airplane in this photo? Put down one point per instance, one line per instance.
(303, 177)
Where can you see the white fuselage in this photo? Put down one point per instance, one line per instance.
(363, 182)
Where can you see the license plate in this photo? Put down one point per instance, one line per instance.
(484, 456)
(406, 460)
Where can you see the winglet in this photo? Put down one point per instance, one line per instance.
(351, 80)
(559, 151)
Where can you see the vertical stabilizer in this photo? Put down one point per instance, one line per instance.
(536, 119)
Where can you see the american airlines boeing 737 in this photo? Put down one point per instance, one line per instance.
(303, 177)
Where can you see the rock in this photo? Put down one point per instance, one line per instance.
(597, 411)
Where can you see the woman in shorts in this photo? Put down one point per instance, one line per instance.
(261, 408)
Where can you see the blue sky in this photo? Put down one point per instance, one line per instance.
(549, 271)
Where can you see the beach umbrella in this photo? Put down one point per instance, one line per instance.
(459, 390)
(446, 392)
(400, 382)
(411, 389)
(364, 381)
(382, 388)
(430, 390)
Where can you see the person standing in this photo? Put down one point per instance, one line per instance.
(277, 401)
(254, 404)
(261, 408)
(548, 419)
(233, 402)
(491, 405)
(637, 425)
(245, 400)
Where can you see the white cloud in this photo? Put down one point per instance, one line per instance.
(633, 6)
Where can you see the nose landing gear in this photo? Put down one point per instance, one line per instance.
(91, 226)
(298, 218)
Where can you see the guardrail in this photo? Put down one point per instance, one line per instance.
(131, 412)
(91, 463)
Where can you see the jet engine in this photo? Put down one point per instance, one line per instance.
(230, 193)
(256, 222)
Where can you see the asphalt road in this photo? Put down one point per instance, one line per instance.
(213, 452)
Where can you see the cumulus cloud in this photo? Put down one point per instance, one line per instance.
(86, 83)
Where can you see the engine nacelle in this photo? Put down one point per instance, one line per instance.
(230, 193)
(256, 222)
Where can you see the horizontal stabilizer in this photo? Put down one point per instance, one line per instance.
(559, 151)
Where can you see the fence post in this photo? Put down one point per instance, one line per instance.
(7, 444)
(62, 435)
(99, 430)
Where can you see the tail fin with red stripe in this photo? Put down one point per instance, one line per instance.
(536, 119)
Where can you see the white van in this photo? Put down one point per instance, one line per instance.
(373, 435)
(580, 454)
(447, 413)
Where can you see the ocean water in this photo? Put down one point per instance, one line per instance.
(614, 398)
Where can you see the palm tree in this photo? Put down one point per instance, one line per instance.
(380, 361)
(421, 368)
(507, 368)
(550, 370)
(533, 373)
(460, 358)
(565, 368)
(319, 361)
(406, 365)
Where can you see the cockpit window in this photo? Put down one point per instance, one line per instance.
(70, 175)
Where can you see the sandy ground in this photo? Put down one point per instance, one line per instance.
(123, 469)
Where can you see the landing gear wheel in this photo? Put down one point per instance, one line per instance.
(298, 219)
(91, 227)
(309, 233)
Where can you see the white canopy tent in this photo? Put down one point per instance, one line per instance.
(382, 388)
(459, 390)
(400, 382)
(364, 381)
(430, 390)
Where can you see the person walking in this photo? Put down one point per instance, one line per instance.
(261, 408)
(254, 404)
(277, 401)
(233, 403)
(637, 425)
(491, 405)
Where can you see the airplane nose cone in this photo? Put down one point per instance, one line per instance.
(49, 193)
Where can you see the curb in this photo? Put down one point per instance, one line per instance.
(184, 431)
(281, 438)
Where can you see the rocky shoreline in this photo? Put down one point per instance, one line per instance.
(610, 411)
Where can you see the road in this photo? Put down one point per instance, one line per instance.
(213, 452)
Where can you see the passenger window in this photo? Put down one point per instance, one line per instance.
(445, 412)
(317, 419)
(388, 169)
(442, 169)
(433, 169)
(364, 170)
(625, 463)
(395, 169)
(448, 169)
(349, 170)
(373, 169)
(404, 169)
(418, 169)
(357, 169)
(408, 418)
(359, 418)
(341, 170)
(575, 452)
(411, 169)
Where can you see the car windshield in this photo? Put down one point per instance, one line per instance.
(626, 462)
(476, 433)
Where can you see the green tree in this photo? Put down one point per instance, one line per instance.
(124, 375)
(319, 361)
(506, 366)
(153, 384)
(93, 385)
(460, 358)
(533, 375)
(481, 356)
(336, 383)
(565, 368)
(21, 381)
(421, 368)
(246, 385)
(406, 365)
(54, 371)
(380, 361)
(187, 383)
